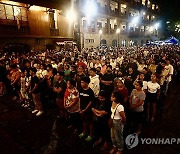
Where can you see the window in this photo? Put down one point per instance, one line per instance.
(149, 4)
(143, 2)
(114, 6)
(90, 40)
(123, 8)
(2, 12)
(53, 19)
(9, 12)
(13, 12)
(153, 6)
(123, 43)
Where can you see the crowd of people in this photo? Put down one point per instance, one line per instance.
(98, 90)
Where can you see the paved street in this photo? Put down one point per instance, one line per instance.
(23, 133)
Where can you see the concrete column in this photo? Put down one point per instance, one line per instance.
(108, 25)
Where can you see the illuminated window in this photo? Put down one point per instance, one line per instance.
(53, 19)
(123, 8)
(153, 6)
(149, 4)
(11, 12)
(148, 17)
(2, 12)
(143, 2)
(114, 6)
(89, 40)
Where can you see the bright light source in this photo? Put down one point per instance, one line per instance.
(168, 22)
(135, 20)
(16, 11)
(156, 26)
(100, 31)
(151, 29)
(153, 17)
(71, 15)
(118, 31)
(90, 8)
(36, 8)
(144, 13)
(178, 26)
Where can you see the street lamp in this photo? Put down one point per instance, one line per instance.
(117, 32)
(100, 33)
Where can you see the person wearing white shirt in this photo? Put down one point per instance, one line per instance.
(94, 81)
(97, 64)
(169, 72)
(153, 93)
(118, 120)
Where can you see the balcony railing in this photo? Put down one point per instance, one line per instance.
(12, 30)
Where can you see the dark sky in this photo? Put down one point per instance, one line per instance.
(170, 9)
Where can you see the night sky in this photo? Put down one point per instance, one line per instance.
(170, 9)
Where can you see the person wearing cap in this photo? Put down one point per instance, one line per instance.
(86, 100)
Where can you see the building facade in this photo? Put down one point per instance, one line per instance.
(39, 24)
(117, 22)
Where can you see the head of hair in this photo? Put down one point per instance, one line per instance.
(109, 66)
(13, 66)
(140, 83)
(86, 79)
(118, 96)
(61, 73)
(33, 69)
(93, 69)
(102, 93)
(72, 82)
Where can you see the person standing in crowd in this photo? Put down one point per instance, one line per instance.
(118, 121)
(35, 91)
(147, 74)
(80, 74)
(67, 72)
(167, 72)
(129, 79)
(101, 113)
(86, 100)
(14, 77)
(153, 93)
(94, 81)
(81, 63)
(120, 87)
(72, 103)
(141, 66)
(59, 88)
(141, 77)
(107, 81)
(136, 101)
(152, 67)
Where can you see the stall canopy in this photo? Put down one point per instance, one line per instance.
(172, 40)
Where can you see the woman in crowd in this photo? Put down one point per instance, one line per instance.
(153, 93)
(71, 103)
(118, 120)
(136, 101)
